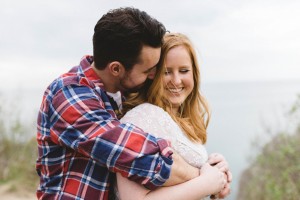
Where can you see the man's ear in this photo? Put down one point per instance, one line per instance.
(115, 68)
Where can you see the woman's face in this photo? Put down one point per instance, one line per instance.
(178, 77)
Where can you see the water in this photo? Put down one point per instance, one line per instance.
(241, 112)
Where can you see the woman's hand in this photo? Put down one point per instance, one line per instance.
(214, 178)
(220, 162)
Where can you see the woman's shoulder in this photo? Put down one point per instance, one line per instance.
(147, 109)
(150, 118)
(148, 106)
(143, 111)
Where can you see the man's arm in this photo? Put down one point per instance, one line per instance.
(83, 121)
(181, 171)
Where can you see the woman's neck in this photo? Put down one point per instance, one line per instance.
(174, 110)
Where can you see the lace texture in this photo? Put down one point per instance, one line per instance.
(155, 120)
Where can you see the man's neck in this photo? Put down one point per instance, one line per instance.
(106, 78)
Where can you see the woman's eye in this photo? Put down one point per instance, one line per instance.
(184, 71)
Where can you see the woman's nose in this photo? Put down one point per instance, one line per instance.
(176, 79)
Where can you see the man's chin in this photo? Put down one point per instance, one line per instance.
(140, 87)
(133, 90)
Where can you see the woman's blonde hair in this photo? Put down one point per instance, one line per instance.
(194, 115)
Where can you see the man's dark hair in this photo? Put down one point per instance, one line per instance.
(120, 35)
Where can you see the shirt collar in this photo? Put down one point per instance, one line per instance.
(89, 72)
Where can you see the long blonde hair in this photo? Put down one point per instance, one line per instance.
(194, 115)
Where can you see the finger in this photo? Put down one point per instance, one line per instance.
(229, 176)
(215, 158)
(213, 155)
(214, 161)
(224, 182)
(225, 177)
(223, 166)
(225, 192)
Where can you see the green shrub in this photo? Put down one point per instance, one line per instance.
(275, 172)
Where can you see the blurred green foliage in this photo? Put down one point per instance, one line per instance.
(275, 172)
(18, 151)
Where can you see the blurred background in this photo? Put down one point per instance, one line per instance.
(249, 53)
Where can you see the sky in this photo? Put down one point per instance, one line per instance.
(241, 40)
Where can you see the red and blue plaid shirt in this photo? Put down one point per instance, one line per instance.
(81, 143)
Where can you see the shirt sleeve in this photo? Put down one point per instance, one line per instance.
(79, 119)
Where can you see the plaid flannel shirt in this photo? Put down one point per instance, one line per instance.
(81, 143)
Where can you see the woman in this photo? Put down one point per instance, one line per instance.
(172, 107)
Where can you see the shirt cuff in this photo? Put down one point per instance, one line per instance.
(163, 168)
(165, 148)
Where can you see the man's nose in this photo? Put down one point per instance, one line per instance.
(152, 73)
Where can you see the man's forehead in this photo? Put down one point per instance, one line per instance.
(149, 57)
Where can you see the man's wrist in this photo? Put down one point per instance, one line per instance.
(192, 172)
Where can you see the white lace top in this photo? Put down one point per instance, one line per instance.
(155, 120)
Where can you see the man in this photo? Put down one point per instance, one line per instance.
(80, 140)
(81, 143)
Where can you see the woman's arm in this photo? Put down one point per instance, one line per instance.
(210, 181)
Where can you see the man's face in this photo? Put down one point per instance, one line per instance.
(134, 79)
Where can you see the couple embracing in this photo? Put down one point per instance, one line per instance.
(129, 122)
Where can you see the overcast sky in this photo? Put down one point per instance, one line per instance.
(236, 39)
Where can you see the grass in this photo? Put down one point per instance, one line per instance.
(18, 152)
